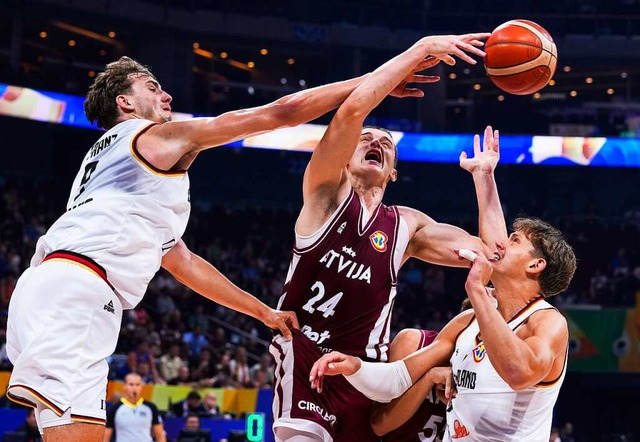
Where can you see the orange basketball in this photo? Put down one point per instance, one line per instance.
(521, 57)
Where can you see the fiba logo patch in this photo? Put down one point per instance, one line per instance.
(379, 240)
(479, 352)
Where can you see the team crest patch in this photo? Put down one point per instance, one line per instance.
(379, 240)
(479, 352)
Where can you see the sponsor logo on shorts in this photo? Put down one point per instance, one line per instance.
(310, 406)
(110, 308)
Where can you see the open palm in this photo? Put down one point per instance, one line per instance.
(484, 159)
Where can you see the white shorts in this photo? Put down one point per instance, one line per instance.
(64, 320)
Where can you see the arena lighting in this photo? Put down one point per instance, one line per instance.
(251, 65)
(89, 34)
(43, 34)
(264, 51)
(203, 53)
(291, 61)
(452, 76)
(51, 107)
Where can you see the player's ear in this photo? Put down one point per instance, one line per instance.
(535, 266)
(124, 103)
(393, 176)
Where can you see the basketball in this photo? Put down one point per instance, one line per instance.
(521, 57)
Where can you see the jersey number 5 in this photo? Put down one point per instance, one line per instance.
(327, 308)
(88, 171)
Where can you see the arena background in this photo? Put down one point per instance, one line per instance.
(217, 56)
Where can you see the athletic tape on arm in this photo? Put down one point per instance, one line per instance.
(381, 382)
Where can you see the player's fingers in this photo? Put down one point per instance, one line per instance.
(427, 63)
(463, 56)
(449, 60)
(467, 47)
(447, 387)
(496, 141)
(476, 145)
(476, 36)
(284, 328)
(488, 138)
(463, 156)
(477, 43)
(293, 320)
(412, 92)
(424, 78)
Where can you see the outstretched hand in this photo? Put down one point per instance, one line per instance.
(402, 91)
(332, 364)
(444, 46)
(283, 321)
(484, 159)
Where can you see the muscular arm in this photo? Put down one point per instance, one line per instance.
(387, 384)
(108, 432)
(201, 277)
(437, 242)
(522, 363)
(325, 181)
(388, 417)
(164, 145)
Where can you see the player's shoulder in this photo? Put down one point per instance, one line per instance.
(547, 318)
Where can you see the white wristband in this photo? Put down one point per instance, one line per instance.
(381, 382)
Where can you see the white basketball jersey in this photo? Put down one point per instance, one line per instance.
(486, 408)
(122, 212)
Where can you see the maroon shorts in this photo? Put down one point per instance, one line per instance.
(339, 413)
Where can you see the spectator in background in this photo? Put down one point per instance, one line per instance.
(264, 366)
(240, 368)
(195, 341)
(210, 404)
(170, 363)
(141, 355)
(184, 377)
(566, 433)
(133, 419)
(555, 435)
(192, 404)
(192, 432)
(203, 366)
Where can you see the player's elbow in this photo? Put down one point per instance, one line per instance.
(517, 378)
(288, 111)
(378, 423)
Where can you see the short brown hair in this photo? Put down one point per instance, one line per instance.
(100, 104)
(395, 147)
(549, 243)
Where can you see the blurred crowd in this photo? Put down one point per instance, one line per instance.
(176, 337)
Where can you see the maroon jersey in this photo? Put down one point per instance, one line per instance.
(428, 422)
(342, 280)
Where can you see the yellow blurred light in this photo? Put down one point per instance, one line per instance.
(92, 74)
(291, 61)
(43, 34)
(72, 43)
(588, 80)
(264, 51)
(552, 82)
(223, 55)
(567, 69)
(251, 65)
(195, 45)
(573, 93)
(477, 86)
(500, 97)
(537, 95)
(610, 91)
(111, 34)
(453, 76)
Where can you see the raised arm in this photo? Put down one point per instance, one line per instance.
(163, 145)
(493, 229)
(520, 362)
(325, 174)
(201, 277)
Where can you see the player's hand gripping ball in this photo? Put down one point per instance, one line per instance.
(521, 57)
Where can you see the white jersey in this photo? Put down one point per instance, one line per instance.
(486, 408)
(122, 212)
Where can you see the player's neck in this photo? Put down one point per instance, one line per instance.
(370, 195)
(513, 295)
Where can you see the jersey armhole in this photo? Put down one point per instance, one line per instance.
(304, 243)
(135, 153)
